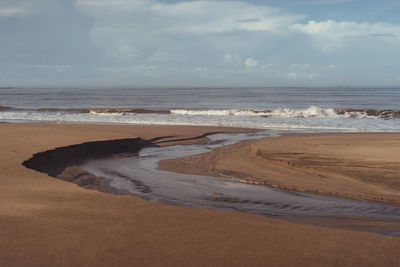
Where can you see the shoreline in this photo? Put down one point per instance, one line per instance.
(52, 222)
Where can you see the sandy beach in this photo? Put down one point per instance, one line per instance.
(46, 221)
(362, 166)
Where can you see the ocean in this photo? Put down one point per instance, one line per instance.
(294, 108)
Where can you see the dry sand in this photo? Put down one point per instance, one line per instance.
(50, 222)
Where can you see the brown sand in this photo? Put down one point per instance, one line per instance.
(356, 166)
(50, 222)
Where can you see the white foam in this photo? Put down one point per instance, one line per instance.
(285, 112)
(311, 118)
(310, 112)
(106, 113)
(202, 112)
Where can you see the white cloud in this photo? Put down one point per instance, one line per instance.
(152, 25)
(201, 69)
(164, 56)
(195, 16)
(122, 50)
(312, 76)
(331, 35)
(299, 72)
(331, 1)
(291, 75)
(299, 66)
(22, 8)
(128, 70)
(299, 75)
(221, 16)
(134, 29)
(233, 59)
(250, 63)
(392, 80)
(116, 5)
(57, 68)
(229, 37)
(266, 66)
(12, 12)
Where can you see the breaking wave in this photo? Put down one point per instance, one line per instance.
(121, 111)
(310, 112)
(124, 111)
(297, 113)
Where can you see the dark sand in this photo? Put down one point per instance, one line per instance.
(48, 222)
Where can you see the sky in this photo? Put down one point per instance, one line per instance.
(199, 43)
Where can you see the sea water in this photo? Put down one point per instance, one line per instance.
(308, 109)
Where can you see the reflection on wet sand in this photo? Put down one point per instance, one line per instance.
(140, 176)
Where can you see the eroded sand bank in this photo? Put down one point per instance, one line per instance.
(46, 221)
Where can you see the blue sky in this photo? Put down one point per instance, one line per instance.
(199, 43)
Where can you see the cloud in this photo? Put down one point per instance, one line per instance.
(232, 59)
(301, 72)
(164, 56)
(21, 8)
(57, 68)
(201, 69)
(123, 50)
(392, 80)
(250, 63)
(383, 35)
(141, 69)
(299, 66)
(221, 16)
(291, 75)
(330, 67)
(194, 16)
(235, 39)
(329, 2)
(136, 29)
(331, 35)
(12, 12)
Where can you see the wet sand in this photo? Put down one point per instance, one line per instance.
(363, 166)
(47, 221)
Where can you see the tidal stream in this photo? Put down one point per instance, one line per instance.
(140, 176)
